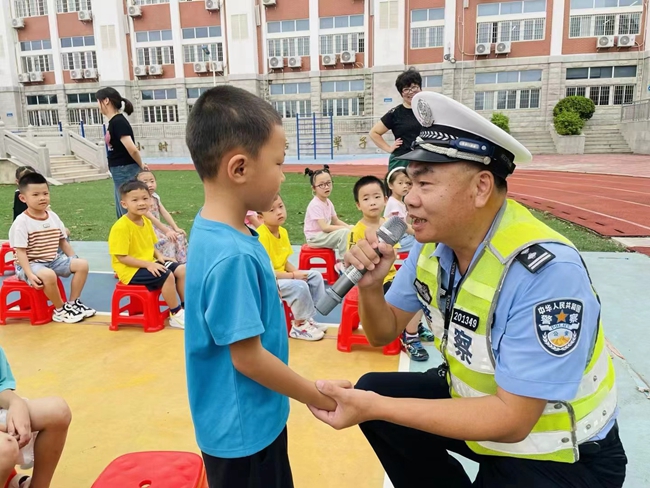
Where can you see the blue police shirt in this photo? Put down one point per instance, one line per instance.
(7, 381)
(232, 295)
(524, 366)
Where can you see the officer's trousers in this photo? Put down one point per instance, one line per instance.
(414, 458)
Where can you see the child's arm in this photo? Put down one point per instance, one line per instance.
(291, 273)
(254, 220)
(65, 246)
(170, 233)
(160, 257)
(327, 228)
(255, 362)
(169, 219)
(339, 223)
(18, 421)
(23, 261)
(155, 269)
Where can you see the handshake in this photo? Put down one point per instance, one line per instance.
(341, 406)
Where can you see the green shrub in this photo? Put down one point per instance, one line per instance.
(583, 106)
(568, 123)
(502, 121)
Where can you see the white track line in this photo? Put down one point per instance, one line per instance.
(586, 194)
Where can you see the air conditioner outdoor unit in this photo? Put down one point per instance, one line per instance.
(503, 47)
(216, 66)
(77, 74)
(348, 57)
(328, 59)
(85, 15)
(140, 71)
(294, 62)
(135, 11)
(35, 76)
(18, 23)
(276, 62)
(155, 70)
(90, 73)
(23, 77)
(483, 49)
(626, 41)
(200, 67)
(605, 41)
(268, 3)
(212, 4)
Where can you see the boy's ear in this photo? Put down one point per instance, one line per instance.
(358, 206)
(123, 203)
(237, 167)
(21, 197)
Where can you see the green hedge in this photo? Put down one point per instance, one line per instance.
(568, 123)
(583, 106)
(502, 121)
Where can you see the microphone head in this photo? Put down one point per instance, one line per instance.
(392, 230)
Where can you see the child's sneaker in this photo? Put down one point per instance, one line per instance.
(306, 332)
(318, 325)
(425, 334)
(87, 311)
(414, 348)
(339, 267)
(177, 320)
(69, 314)
(20, 481)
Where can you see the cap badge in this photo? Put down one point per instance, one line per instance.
(426, 115)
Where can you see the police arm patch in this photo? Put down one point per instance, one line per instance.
(535, 257)
(558, 325)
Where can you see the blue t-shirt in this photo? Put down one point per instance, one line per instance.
(7, 381)
(232, 295)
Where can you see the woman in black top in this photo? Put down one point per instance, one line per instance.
(400, 120)
(124, 161)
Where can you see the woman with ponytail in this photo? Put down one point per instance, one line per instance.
(124, 161)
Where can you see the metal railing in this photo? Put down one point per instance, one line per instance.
(636, 112)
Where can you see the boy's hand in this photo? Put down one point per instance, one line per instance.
(156, 269)
(18, 422)
(352, 406)
(301, 275)
(34, 281)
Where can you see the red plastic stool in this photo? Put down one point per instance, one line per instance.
(154, 469)
(401, 256)
(288, 314)
(143, 308)
(350, 322)
(4, 264)
(308, 254)
(11, 476)
(32, 304)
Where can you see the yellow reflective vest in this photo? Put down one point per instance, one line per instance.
(563, 425)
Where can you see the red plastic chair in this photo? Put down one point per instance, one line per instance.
(401, 256)
(11, 476)
(306, 261)
(7, 265)
(143, 308)
(288, 315)
(31, 304)
(154, 469)
(350, 322)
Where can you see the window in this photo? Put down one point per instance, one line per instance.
(80, 41)
(81, 98)
(508, 77)
(39, 118)
(343, 107)
(193, 93)
(239, 26)
(388, 14)
(341, 21)
(292, 108)
(507, 99)
(432, 81)
(201, 32)
(195, 53)
(79, 60)
(155, 55)
(35, 45)
(42, 99)
(601, 72)
(42, 62)
(293, 46)
(89, 116)
(576, 91)
(289, 88)
(149, 2)
(30, 8)
(629, 23)
(154, 36)
(623, 94)
(509, 8)
(511, 31)
(587, 4)
(337, 43)
(157, 114)
(341, 86)
(424, 15)
(164, 94)
(599, 94)
(63, 6)
(287, 26)
(427, 37)
(602, 95)
(604, 25)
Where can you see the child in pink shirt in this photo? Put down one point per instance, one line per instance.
(398, 185)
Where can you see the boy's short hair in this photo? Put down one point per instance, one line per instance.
(365, 181)
(225, 118)
(23, 170)
(132, 185)
(31, 179)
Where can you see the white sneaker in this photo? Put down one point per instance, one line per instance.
(69, 314)
(306, 332)
(177, 320)
(20, 481)
(85, 309)
(318, 325)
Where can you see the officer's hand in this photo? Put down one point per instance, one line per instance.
(352, 406)
(364, 256)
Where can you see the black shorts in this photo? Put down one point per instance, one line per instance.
(143, 277)
(268, 468)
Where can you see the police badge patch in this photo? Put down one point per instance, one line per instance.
(423, 290)
(558, 324)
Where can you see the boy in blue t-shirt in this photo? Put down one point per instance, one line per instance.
(236, 344)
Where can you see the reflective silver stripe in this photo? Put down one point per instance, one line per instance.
(437, 323)
(464, 390)
(480, 361)
(592, 379)
(598, 418)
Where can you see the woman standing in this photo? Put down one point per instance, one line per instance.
(124, 159)
(400, 120)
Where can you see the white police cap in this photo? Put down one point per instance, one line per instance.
(452, 132)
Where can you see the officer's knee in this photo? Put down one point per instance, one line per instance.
(370, 382)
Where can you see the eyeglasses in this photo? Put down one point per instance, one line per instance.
(322, 186)
(411, 89)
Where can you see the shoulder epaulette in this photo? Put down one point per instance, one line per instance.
(535, 257)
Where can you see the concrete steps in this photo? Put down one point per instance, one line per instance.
(537, 142)
(70, 169)
(605, 139)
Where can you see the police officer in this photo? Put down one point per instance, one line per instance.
(526, 387)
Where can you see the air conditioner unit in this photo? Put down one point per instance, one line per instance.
(135, 11)
(18, 23)
(35, 76)
(626, 41)
(216, 66)
(348, 57)
(483, 49)
(503, 47)
(268, 3)
(77, 74)
(328, 59)
(23, 77)
(155, 70)
(294, 62)
(605, 41)
(276, 62)
(90, 73)
(212, 4)
(140, 71)
(200, 67)
(85, 15)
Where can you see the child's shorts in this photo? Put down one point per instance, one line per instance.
(60, 265)
(144, 277)
(26, 454)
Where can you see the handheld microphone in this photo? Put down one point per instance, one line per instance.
(390, 233)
